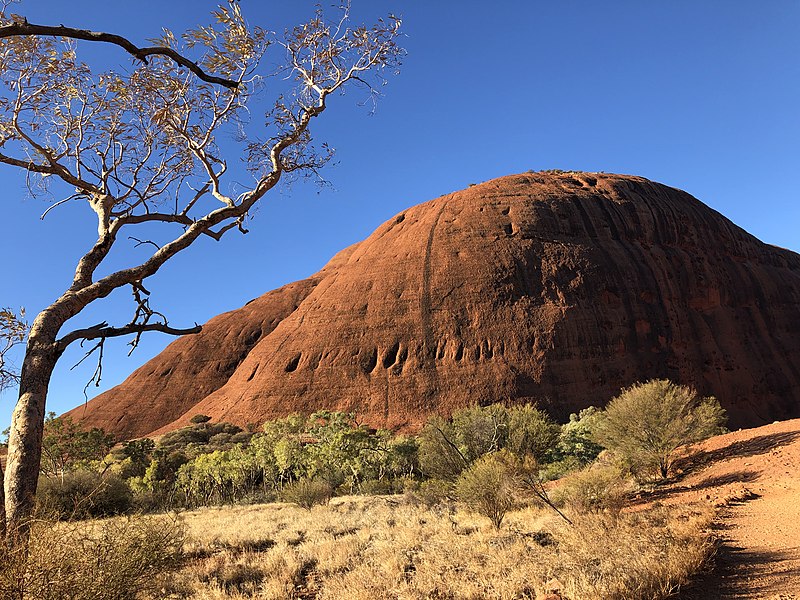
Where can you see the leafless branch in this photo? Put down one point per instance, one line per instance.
(98, 370)
(26, 29)
(59, 203)
(142, 242)
(104, 330)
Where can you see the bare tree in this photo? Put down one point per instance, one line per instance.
(140, 148)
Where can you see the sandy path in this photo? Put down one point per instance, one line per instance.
(753, 476)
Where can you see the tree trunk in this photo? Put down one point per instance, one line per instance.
(27, 426)
(2, 507)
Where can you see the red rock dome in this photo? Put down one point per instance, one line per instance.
(558, 288)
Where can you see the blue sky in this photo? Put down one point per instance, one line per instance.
(702, 96)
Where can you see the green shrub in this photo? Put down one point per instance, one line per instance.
(531, 432)
(575, 442)
(439, 455)
(116, 559)
(376, 487)
(480, 429)
(67, 446)
(243, 437)
(596, 489)
(307, 493)
(491, 485)
(84, 494)
(446, 448)
(647, 422)
(432, 492)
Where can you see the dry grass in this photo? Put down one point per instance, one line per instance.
(113, 559)
(388, 547)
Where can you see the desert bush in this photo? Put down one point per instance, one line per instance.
(220, 476)
(67, 446)
(402, 457)
(491, 485)
(243, 437)
(131, 459)
(198, 438)
(84, 494)
(432, 492)
(115, 559)
(439, 455)
(480, 430)
(214, 463)
(157, 489)
(344, 453)
(594, 489)
(576, 444)
(647, 422)
(446, 448)
(531, 432)
(376, 487)
(307, 493)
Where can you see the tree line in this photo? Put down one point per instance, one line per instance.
(475, 455)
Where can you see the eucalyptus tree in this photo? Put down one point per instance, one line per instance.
(140, 147)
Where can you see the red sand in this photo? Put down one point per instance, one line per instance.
(752, 477)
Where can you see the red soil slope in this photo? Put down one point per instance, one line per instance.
(752, 476)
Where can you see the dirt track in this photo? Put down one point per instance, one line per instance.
(753, 476)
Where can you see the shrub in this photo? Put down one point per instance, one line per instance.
(446, 448)
(439, 455)
(197, 419)
(307, 493)
(531, 432)
(243, 437)
(433, 492)
(376, 487)
(647, 422)
(118, 559)
(576, 443)
(480, 430)
(490, 486)
(596, 489)
(84, 494)
(66, 446)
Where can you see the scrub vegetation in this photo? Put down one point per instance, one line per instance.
(495, 501)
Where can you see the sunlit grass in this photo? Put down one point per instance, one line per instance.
(390, 547)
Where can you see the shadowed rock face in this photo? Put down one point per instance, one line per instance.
(553, 288)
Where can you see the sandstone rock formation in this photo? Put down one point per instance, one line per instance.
(558, 288)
